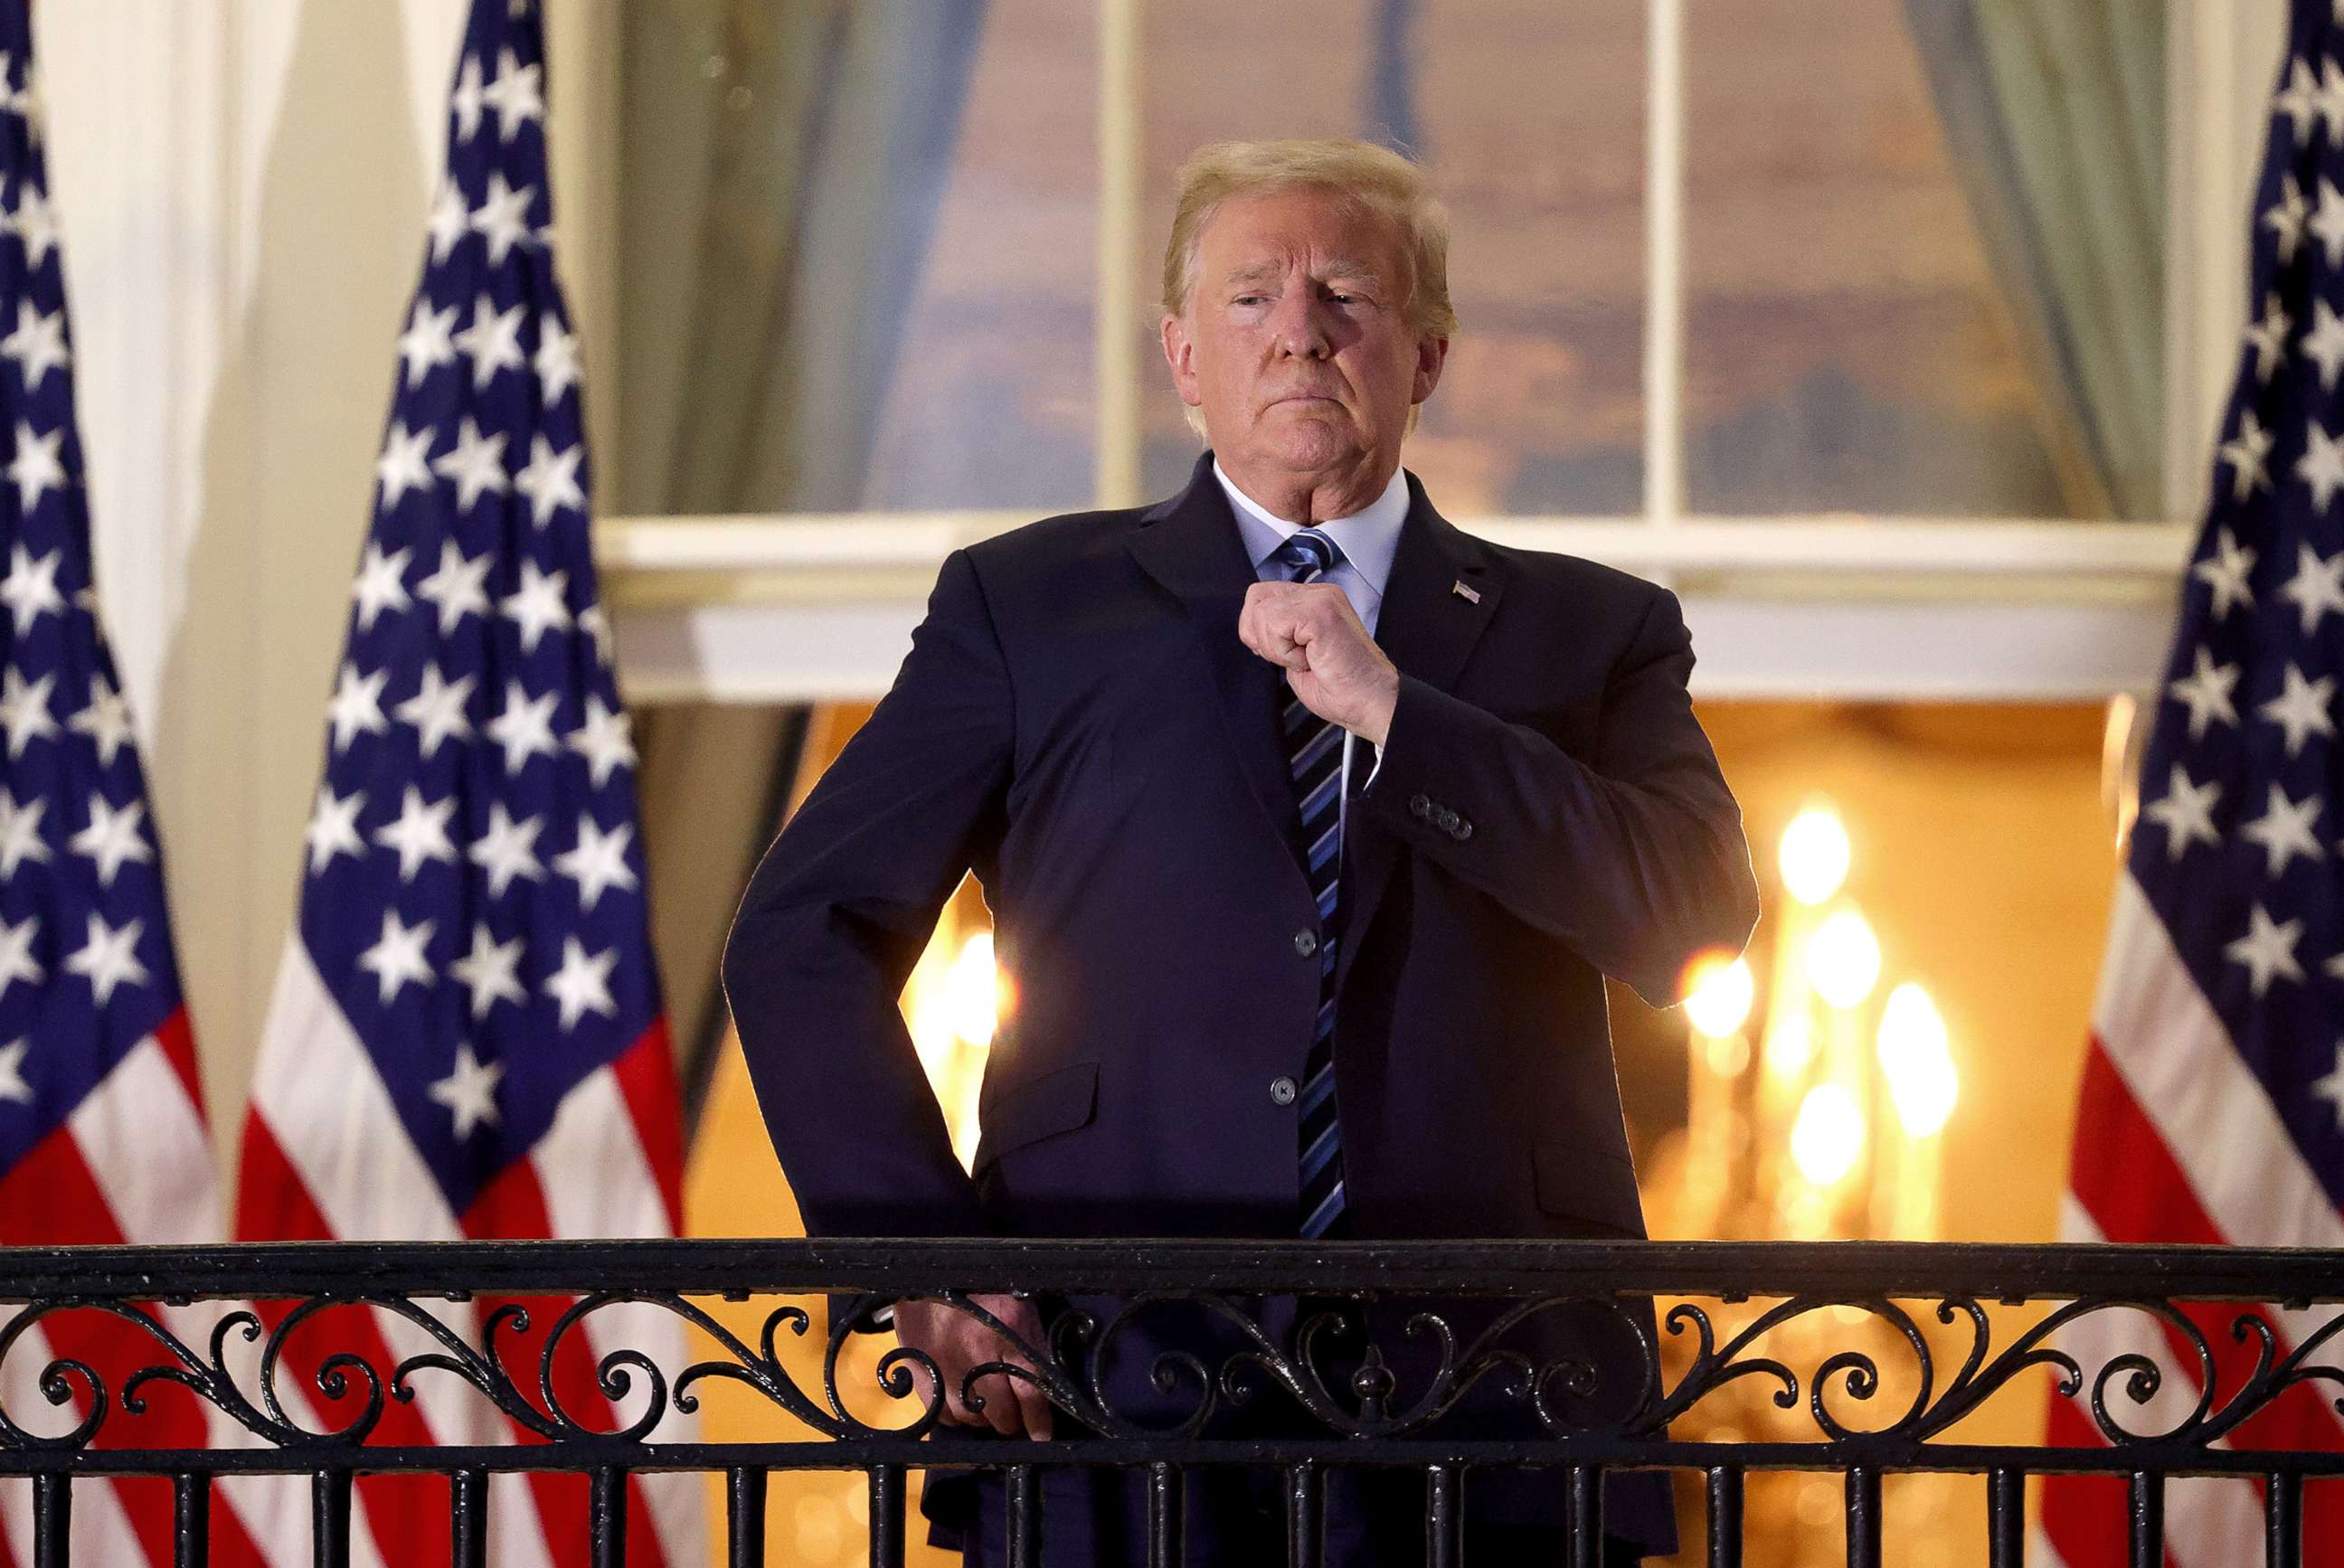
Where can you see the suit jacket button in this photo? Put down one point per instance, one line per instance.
(1463, 831)
(1281, 1092)
(1419, 805)
(1306, 943)
(1447, 819)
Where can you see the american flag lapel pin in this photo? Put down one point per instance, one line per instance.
(1470, 596)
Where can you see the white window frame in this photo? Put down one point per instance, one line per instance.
(799, 607)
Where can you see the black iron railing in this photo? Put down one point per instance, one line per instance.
(1726, 1360)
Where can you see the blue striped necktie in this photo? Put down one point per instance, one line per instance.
(1314, 754)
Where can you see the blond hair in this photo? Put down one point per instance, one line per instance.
(1360, 173)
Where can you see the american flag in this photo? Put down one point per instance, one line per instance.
(102, 1128)
(465, 1037)
(2213, 1098)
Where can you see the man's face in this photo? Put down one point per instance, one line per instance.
(1295, 344)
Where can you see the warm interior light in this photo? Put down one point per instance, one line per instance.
(1717, 994)
(1790, 1047)
(973, 991)
(1815, 855)
(1917, 1061)
(1828, 1136)
(1844, 959)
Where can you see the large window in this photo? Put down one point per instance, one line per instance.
(1739, 258)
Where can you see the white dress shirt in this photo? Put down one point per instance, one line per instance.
(1368, 540)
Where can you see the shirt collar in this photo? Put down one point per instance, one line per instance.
(1368, 539)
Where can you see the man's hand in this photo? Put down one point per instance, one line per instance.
(956, 1342)
(1333, 666)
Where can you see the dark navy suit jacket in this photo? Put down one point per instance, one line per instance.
(1078, 723)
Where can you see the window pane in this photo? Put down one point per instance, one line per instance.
(1531, 117)
(856, 254)
(1922, 257)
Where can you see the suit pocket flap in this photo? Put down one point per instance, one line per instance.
(1587, 1182)
(1057, 1101)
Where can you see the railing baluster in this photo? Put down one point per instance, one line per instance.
(1444, 1518)
(1863, 1517)
(329, 1519)
(887, 1516)
(1586, 1498)
(467, 1519)
(1025, 1522)
(2005, 1518)
(2146, 1505)
(1166, 1546)
(2283, 1521)
(1725, 1516)
(1304, 1487)
(191, 1519)
(607, 1520)
(52, 1520)
(744, 1518)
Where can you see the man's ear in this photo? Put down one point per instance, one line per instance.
(1181, 353)
(1431, 354)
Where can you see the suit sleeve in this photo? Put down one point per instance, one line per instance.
(1633, 857)
(837, 915)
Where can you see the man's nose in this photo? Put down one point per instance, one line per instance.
(1300, 325)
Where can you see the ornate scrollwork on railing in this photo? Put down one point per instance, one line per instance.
(1154, 1363)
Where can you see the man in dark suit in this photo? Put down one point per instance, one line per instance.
(1310, 826)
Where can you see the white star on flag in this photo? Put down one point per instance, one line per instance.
(37, 467)
(2317, 587)
(106, 720)
(356, 707)
(525, 729)
(476, 462)
(2301, 708)
(605, 740)
(16, 961)
(538, 606)
(490, 971)
(551, 480)
(37, 345)
(502, 216)
(24, 710)
(381, 583)
(397, 957)
(334, 827)
(508, 849)
(515, 95)
(598, 862)
(428, 343)
(2185, 811)
(492, 342)
(2206, 692)
(13, 1085)
(109, 958)
(2267, 950)
(30, 589)
(420, 835)
(456, 587)
(469, 1092)
(583, 983)
(437, 711)
(2284, 830)
(112, 838)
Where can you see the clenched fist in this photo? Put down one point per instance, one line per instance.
(1334, 666)
(957, 1341)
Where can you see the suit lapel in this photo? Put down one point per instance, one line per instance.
(1191, 546)
(1428, 629)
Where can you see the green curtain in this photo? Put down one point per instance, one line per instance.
(2055, 110)
(780, 164)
